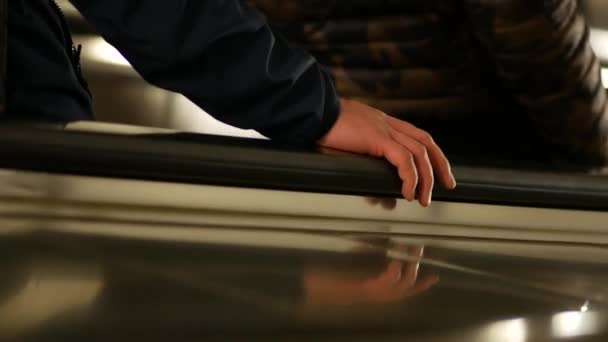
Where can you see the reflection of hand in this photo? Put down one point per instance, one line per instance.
(363, 129)
(397, 282)
(386, 203)
(385, 288)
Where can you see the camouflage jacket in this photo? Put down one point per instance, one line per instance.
(499, 70)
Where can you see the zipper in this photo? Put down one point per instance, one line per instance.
(3, 53)
(74, 52)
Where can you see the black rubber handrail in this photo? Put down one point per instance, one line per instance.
(204, 159)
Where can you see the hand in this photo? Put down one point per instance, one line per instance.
(398, 281)
(363, 129)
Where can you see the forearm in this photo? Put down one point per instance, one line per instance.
(223, 56)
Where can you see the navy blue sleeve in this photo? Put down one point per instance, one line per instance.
(223, 56)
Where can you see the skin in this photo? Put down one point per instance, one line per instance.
(365, 130)
(397, 282)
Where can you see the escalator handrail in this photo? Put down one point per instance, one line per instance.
(227, 161)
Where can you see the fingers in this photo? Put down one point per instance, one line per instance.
(410, 274)
(385, 288)
(381, 287)
(422, 285)
(440, 163)
(399, 280)
(426, 179)
(392, 274)
(362, 129)
(400, 157)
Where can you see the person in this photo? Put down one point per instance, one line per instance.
(224, 57)
(511, 79)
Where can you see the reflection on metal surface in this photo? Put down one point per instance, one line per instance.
(50, 291)
(585, 307)
(574, 324)
(564, 326)
(155, 289)
(77, 197)
(330, 295)
(116, 259)
(514, 330)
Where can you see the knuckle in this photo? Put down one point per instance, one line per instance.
(426, 137)
(419, 150)
(406, 160)
(408, 157)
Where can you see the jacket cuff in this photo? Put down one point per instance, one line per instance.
(317, 114)
(331, 110)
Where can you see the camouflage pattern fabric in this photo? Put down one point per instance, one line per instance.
(500, 70)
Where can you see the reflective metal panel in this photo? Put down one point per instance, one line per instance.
(87, 257)
(64, 198)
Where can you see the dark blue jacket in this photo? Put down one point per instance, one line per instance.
(221, 54)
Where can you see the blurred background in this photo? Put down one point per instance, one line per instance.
(121, 96)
